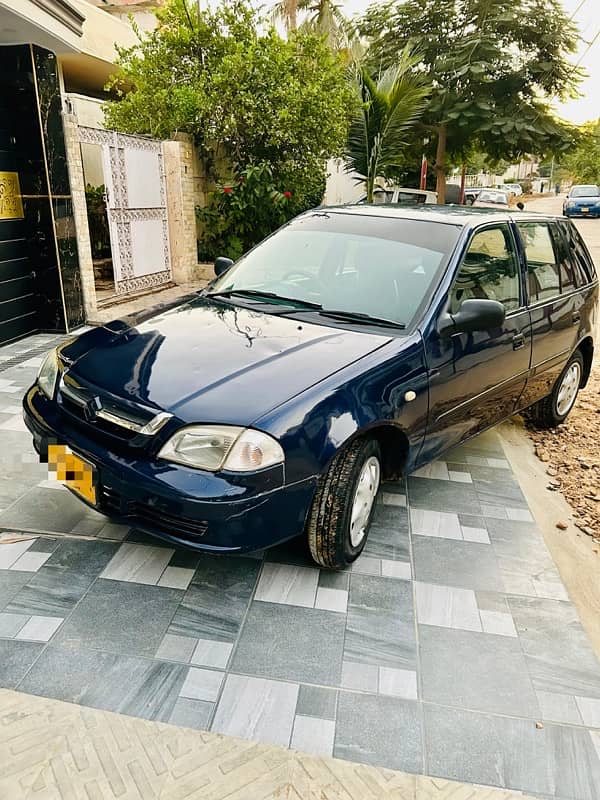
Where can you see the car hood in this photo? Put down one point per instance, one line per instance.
(589, 200)
(210, 362)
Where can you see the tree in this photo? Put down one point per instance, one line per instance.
(495, 66)
(583, 164)
(247, 95)
(388, 109)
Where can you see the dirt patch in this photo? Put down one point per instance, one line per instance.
(571, 454)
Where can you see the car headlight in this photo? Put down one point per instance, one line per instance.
(571, 204)
(48, 374)
(216, 447)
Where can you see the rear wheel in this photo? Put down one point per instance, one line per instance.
(554, 409)
(343, 506)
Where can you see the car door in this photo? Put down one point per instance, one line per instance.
(554, 304)
(476, 378)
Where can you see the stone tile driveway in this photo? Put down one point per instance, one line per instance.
(451, 648)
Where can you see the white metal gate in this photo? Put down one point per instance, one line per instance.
(136, 207)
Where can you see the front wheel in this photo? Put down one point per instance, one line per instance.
(554, 409)
(343, 506)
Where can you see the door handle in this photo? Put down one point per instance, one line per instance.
(518, 341)
(576, 317)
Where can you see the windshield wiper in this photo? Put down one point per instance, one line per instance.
(361, 318)
(269, 295)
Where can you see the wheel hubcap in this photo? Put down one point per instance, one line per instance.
(568, 388)
(364, 497)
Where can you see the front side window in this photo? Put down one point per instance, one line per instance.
(380, 266)
(542, 264)
(489, 270)
(582, 266)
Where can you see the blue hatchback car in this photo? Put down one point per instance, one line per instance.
(351, 346)
(582, 201)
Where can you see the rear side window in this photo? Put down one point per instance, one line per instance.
(582, 267)
(542, 265)
(489, 270)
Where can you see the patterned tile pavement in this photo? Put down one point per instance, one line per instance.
(450, 648)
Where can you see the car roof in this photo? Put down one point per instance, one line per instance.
(463, 216)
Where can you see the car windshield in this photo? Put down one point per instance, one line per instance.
(377, 266)
(493, 197)
(585, 191)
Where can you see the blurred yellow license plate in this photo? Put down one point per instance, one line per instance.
(585, 210)
(74, 471)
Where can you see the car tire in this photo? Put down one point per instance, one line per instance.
(352, 480)
(552, 410)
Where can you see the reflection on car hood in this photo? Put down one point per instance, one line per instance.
(208, 362)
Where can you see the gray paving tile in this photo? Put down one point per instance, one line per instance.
(295, 551)
(108, 681)
(176, 577)
(291, 643)
(393, 499)
(572, 762)
(469, 565)
(366, 565)
(16, 658)
(257, 709)
(216, 601)
(396, 569)
(447, 606)
(211, 654)
(202, 684)
(288, 584)
(500, 493)
(398, 682)
(137, 563)
(313, 735)
(44, 544)
(52, 592)
(332, 599)
(10, 584)
(447, 496)
(43, 510)
(30, 561)
(360, 677)
(334, 580)
(380, 624)
(480, 748)
(497, 622)
(389, 541)
(194, 714)
(559, 655)
(475, 535)
(589, 708)
(176, 648)
(39, 629)
(12, 552)
(88, 558)
(11, 624)
(476, 671)
(316, 701)
(377, 730)
(435, 523)
(460, 476)
(559, 708)
(121, 617)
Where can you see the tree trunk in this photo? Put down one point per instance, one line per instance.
(440, 164)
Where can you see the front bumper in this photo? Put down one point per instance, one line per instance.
(577, 212)
(202, 510)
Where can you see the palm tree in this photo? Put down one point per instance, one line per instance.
(389, 107)
(324, 17)
(286, 11)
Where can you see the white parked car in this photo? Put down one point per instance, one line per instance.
(401, 196)
(492, 198)
(513, 188)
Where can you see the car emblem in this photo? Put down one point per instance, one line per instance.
(91, 409)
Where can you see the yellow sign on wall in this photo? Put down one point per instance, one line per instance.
(11, 204)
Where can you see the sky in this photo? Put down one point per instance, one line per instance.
(587, 15)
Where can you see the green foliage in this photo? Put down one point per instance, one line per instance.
(248, 208)
(494, 65)
(388, 109)
(583, 164)
(250, 98)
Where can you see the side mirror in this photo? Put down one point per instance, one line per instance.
(473, 315)
(222, 264)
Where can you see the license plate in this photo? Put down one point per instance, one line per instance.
(584, 210)
(73, 470)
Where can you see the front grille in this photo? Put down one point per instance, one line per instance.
(73, 399)
(143, 515)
